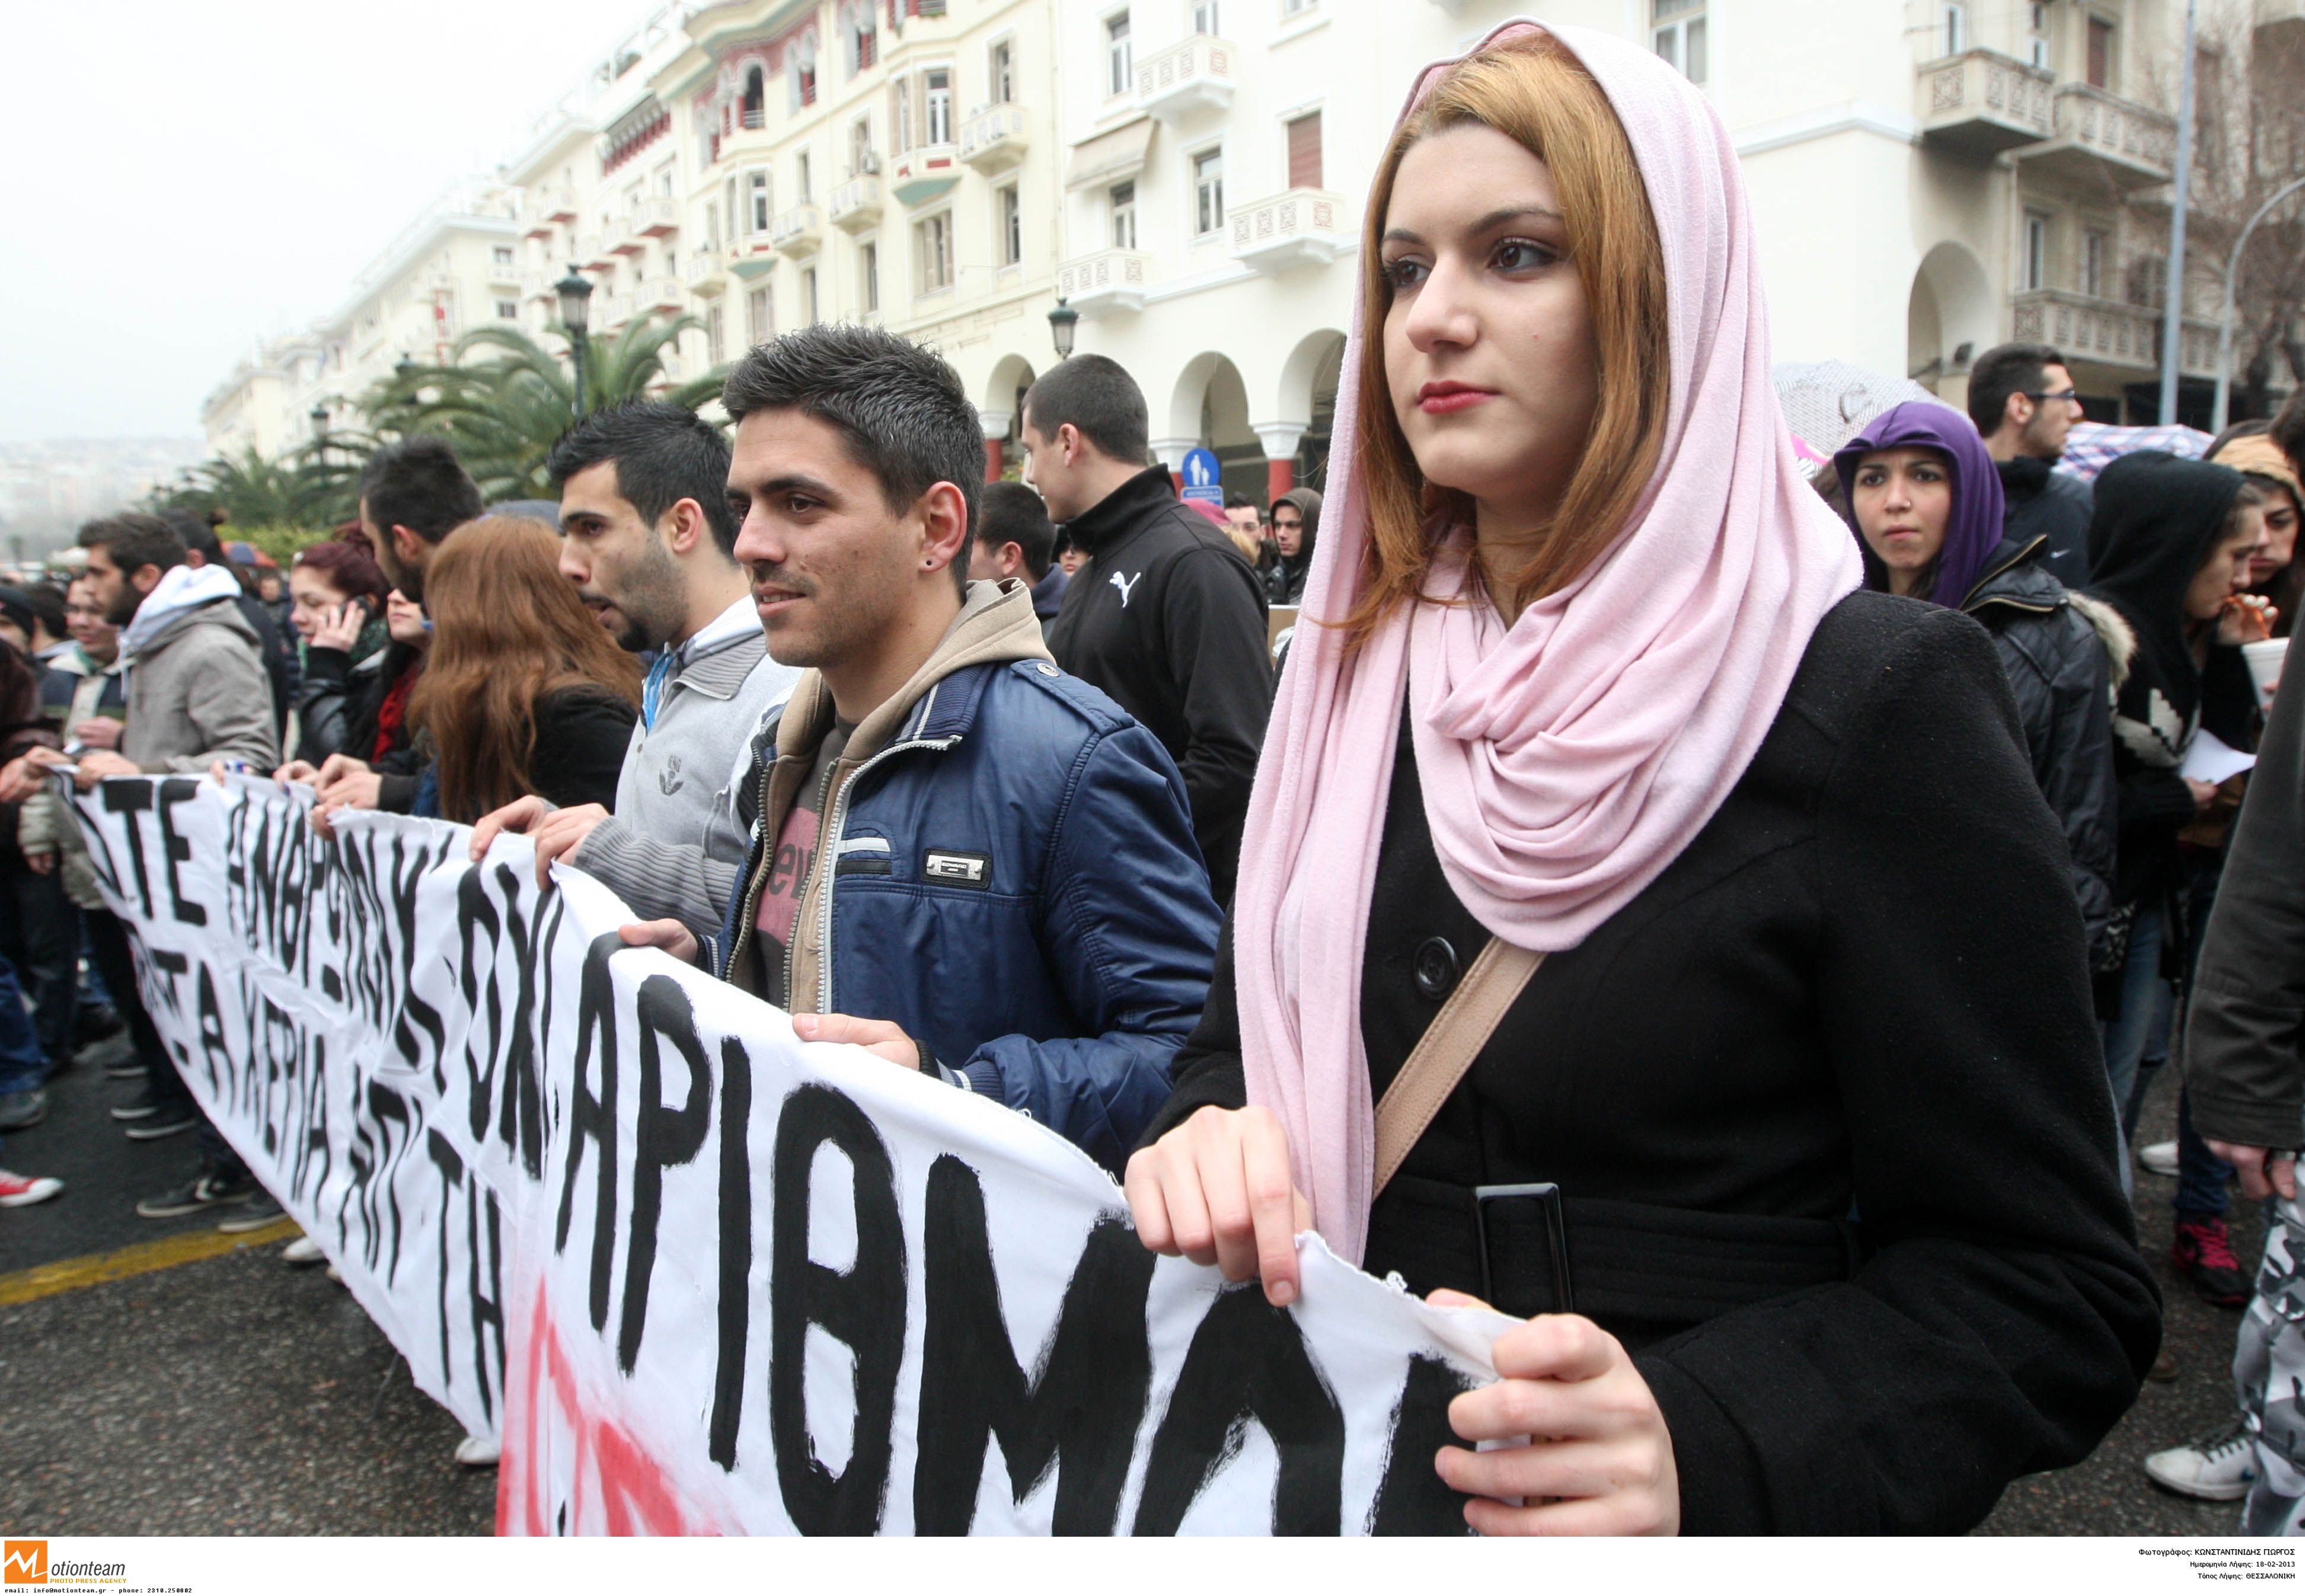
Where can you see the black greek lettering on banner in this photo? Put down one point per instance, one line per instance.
(1248, 1361)
(862, 1307)
(130, 797)
(592, 1115)
(662, 1139)
(1085, 1398)
(735, 1248)
(1413, 1500)
(176, 849)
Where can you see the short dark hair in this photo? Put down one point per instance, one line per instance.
(902, 411)
(418, 483)
(1098, 399)
(1239, 501)
(663, 453)
(1014, 513)
(2288, 428)
(2002, 371)
(132, 540)
(48, 601)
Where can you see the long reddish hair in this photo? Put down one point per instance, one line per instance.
(1532, 91)
(508, 630)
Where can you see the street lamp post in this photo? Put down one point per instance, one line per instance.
(320, 432)
(2225, 314)
(575, 291)
(2173, 313)
(1062, 321)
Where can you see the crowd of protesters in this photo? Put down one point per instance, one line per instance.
(1833, 890)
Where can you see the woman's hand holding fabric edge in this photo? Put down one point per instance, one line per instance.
(1218, 1189)
(1599, 1460)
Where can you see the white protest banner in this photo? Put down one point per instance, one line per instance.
(705, 1277)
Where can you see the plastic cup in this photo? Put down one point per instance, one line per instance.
(2265, 665)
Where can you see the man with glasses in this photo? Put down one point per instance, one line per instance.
(2022, 398)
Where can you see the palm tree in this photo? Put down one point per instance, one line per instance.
(301, 489)
(503, 416)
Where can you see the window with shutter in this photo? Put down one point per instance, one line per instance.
(1305, 152)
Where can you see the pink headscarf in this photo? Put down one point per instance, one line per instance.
(1568, 759)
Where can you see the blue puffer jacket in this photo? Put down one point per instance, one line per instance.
(1059, 954)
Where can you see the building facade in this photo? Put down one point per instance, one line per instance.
(1928, 178)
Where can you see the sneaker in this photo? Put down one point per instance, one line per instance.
(21, 1110)
(477, 1452)
(162, 1122)
(302, 1251)
(142, 1106)
(206, 1190)
(2203, 1253)
(22, 1191)
(115, 1055)
(2158, 1158)
(261, 1211)
(2219, 1467)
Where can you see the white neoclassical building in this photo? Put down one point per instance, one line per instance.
(1929, 177)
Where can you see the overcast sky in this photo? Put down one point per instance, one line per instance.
(186, 180)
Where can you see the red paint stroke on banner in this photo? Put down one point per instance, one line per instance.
(614, 1486)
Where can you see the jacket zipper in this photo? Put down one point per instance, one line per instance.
(759, 881)
(831, 846)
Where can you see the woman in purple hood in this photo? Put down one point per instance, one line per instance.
(1927, 506)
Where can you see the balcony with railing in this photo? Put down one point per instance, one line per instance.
(655, 217)
(707, 271)
(538, 283)
(593, 254)
(856, 205)
(1188, 77)
(1980, 103)
(799, 232)
(612, 312)
(1108, 280)
(993, 140)
(549, 204)
(2108, 332)
(503, 274)
(924, 172)
(662, 292)
(1295, 227)
(2099, 138)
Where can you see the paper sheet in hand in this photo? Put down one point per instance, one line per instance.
(2212, 761)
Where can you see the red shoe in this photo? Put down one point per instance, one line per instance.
(2203, 1253)
(22, 1191)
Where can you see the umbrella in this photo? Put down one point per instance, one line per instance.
(2092, 446)
(1827, 402)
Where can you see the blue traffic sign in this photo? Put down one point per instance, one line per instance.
(1203, 478)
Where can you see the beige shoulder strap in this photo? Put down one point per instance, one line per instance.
(1447, 1050)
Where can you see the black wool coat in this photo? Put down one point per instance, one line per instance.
(1859, 990)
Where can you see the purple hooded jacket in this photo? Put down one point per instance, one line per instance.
(1973, 530)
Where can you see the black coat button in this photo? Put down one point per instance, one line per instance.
(1434, 965)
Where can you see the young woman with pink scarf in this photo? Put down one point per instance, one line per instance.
(1809, 1059)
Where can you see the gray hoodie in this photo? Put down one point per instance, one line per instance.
(672, 848)
(196, 691)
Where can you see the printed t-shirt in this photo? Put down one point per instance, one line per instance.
(790, 868)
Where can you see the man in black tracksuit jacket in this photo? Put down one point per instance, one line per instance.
(1167, 618)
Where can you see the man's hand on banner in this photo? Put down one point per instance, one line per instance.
(94, 766)
(22, 777)
(302, 770)
(343, 783)
(1598, 1458)
(874, 1036)
(670, 935)
(558, 833)
(1218, 1189)
(97, 731)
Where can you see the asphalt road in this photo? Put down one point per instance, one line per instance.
(234, 1395)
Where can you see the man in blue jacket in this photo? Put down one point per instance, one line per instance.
(961, 859)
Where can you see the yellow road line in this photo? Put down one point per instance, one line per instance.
(75, 1274)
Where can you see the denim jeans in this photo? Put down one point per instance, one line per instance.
(2202, 1177)
(22, 1066)
(2141, 1029)
(39, 934)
